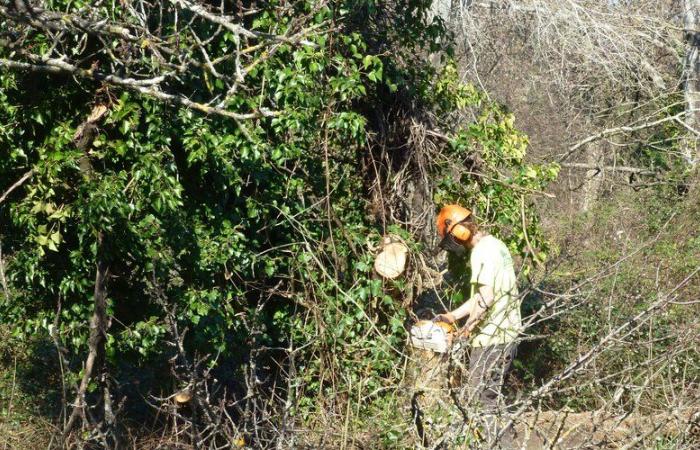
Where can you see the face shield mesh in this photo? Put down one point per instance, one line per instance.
(450, 244)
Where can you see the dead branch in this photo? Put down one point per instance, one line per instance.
(17, 183)
(617, 130)
(625, 169)
(584, 360)
(145, 87)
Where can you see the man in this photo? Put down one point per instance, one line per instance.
(492, 311)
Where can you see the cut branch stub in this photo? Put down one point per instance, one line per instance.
(391, 262)
(183, 397)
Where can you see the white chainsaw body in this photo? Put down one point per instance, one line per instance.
(426, 335)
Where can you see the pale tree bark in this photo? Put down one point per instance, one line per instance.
(691, 79)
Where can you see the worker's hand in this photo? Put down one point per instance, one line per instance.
(463, 333)
(447, 318)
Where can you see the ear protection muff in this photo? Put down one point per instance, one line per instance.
(460, 231)
(455, 237)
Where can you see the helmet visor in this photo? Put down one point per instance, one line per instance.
(450, 244)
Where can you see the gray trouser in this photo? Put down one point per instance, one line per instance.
(488, 367)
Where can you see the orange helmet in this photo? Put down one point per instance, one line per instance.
(449, 221)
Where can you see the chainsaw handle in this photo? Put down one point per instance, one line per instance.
(445, 317)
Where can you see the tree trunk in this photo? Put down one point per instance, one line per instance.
(691, 78)
(96, 340)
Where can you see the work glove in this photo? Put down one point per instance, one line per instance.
(447, 318)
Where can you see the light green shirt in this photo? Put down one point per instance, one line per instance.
(492, 265)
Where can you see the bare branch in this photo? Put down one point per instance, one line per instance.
(145, 87)
(617, 130)
(225, 22)
(17, 183)
(626, 169)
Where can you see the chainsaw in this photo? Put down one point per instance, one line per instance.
(433, 336)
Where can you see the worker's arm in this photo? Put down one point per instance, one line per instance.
(479, 303)
(475, 308)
